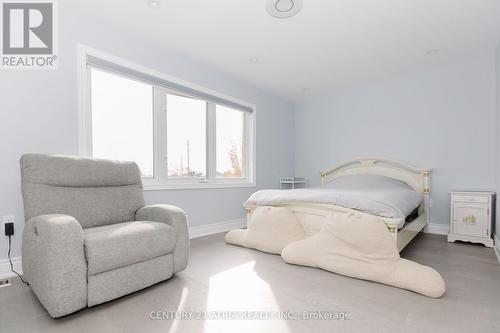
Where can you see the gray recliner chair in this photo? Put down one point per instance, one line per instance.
(89, 238)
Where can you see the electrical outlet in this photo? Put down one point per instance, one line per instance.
(11, 218)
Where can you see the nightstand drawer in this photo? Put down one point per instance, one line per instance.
(470, 198)
(470, 219)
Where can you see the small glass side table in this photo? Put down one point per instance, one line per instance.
(290, 183)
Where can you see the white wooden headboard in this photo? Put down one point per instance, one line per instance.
(416, 178)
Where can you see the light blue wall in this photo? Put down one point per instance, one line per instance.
(441, 118)
(39, 114)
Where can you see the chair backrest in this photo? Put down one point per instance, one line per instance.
(96, 192)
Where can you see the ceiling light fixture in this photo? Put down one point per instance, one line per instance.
(283, 8)
(155, 4)
(254, 60)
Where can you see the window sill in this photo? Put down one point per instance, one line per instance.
(196, 186)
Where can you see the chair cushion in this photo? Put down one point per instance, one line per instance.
(117, 245)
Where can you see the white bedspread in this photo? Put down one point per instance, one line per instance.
(371, 194)
(351, 244)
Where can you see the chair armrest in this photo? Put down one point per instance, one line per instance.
(175, 217)
(54, 262)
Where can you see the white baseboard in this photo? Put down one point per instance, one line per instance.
(438, 229)
(215, 228)
(5, 271)
(194, 232)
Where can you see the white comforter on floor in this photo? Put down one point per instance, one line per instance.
(376, 195)
(351, 244)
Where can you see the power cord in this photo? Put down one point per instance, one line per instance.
(12, 266)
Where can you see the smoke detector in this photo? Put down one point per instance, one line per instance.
(283, 8)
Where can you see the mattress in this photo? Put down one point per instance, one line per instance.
(372, 194)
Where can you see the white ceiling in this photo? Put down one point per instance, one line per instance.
(329, 45)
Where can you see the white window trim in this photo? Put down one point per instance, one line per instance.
(85, 127)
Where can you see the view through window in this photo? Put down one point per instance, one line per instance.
(173, 137)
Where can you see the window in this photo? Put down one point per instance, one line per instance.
(180, 136)
(122, 120)
(230, 128)
(186, 138)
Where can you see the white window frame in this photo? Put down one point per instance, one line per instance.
(160, 180)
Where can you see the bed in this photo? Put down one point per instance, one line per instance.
(311, 210)
(353, 225)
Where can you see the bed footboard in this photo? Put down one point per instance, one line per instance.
(312, 217)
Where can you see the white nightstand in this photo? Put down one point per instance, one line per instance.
(471, 217)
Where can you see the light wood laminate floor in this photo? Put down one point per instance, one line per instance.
(222, 277)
